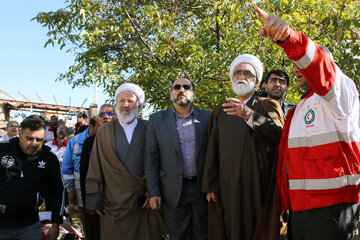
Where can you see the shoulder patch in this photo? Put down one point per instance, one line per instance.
(7, 161)
(309, 116)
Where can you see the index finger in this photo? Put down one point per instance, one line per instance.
(233, 100)
(262, 13)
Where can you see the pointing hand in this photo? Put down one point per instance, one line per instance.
(274, 28)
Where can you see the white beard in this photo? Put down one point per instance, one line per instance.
(128, 117)
(242, 87)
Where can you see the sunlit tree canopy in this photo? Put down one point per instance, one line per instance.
(153, 42)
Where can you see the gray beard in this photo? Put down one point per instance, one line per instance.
(127, 118)
(61, 136)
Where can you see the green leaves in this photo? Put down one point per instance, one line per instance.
(153, 42)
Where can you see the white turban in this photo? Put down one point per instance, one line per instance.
(134, 89)
(251, 59)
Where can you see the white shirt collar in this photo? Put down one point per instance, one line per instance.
(129, 129)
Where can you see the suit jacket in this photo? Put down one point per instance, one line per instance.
(163, 158)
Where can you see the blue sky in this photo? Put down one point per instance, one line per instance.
(28, 67)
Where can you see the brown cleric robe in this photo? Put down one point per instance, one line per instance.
(239, 167)
(119, 192)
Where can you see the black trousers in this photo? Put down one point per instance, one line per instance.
(336, 222)
(187, 221)
(91, 224)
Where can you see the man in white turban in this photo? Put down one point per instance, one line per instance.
(115, 183)
(241, 155)
(127, 109)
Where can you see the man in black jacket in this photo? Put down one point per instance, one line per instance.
(29, 172)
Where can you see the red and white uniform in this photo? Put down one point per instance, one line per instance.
(49, 134)
(319, 152)
(58, 151)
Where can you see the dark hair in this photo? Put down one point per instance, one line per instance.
(107, 105)
(93, 121)
(82, 114)
(279, 73)
(192, 84)
(33, 122)
(261, 83)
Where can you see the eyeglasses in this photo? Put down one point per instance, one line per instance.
(275, 79)
(178, 86)
(103, 114)
(62, 129)
(246, 73)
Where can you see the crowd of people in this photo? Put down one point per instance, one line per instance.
(256, 167)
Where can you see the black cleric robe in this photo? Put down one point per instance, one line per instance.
(239, 167)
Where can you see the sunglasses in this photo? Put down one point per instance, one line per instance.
(103, 114)
(178, 86)
(246, 73)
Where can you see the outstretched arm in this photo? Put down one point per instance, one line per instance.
(321, 73)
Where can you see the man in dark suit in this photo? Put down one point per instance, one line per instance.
(277, 84)
(176, 141)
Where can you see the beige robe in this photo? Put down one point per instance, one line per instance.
(120, 191)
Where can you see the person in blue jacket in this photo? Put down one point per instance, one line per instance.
(71, 167)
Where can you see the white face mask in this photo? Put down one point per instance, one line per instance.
(242, 87)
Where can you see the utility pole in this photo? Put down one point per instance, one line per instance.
(96, 93)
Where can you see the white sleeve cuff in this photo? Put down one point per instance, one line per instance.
(250, 121)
